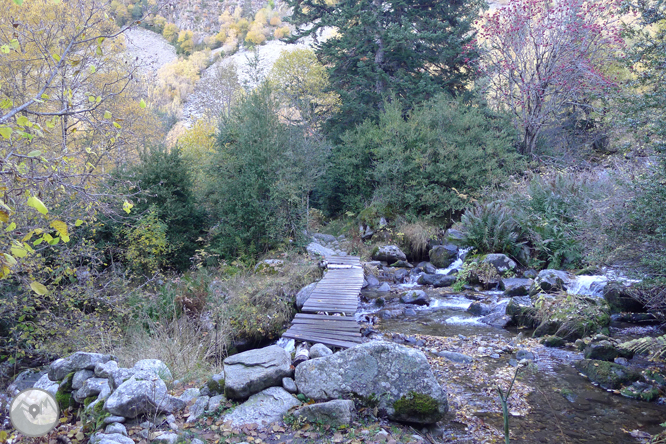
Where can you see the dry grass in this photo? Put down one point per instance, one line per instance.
(415, 237)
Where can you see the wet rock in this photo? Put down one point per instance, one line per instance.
(156, 366)
(603, 351)
(268, 406)
(389, 314)
(335, 413)
(641, 391)
(455, 357)
(319, 350)
(304, 294)
(410, 312)
(384, 288)
(401, 276)
(427, 268)
(621, 361)
(480, 308)
(607, 374)
(399, 377)
(78, 361)
(441, 256)
(501, 262)
(619, 298)
(389, 253)
(416, 297)
(516, 286)
(529, 274)
(498, 320)
(402, 264)
(572, 317)
(635, 318)
(522, 312)
(254, 370)
(549, 281)
(437, 280)
(552, 341)
(524, 354)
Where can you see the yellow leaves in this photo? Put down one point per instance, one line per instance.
(142, 104)
(61, 228)
(4, 216)
(18, 250)
(6, 132)
(127, 207)
(107, 115)
(37, 204)
(78, 223)
(38, 288)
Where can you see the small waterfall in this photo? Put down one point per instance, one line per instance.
(457, 264)
(588, 286)
(288, 344)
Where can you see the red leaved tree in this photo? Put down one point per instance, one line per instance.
(541, 56)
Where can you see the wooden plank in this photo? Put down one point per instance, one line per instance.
(319, 310)
(313, 336)
(332, 333)
(329, 342)
(335, 318)
(314, 302)
(327, 325)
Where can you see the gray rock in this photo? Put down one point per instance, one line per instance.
(409, 312)
(549, 281)
(215, 402)
(78, 361)
(304, 294)
(91, 387)
(619, 298)
(197, 441)
(167, 438)
(319, 350)
(389, 253)
(516, 286)
(480, 308)
(524, 354)
(45, 383)
(402, 264)
(372, 281)
(501, 262)
(190, 394)
(116, 438)
(455, 357)
(198, 408)
(25, 380)
(325, 238)
(103, 370)
(385, 288)
(530, 274)
(80, 377)
(437, 280)
(252, 371)
(268, 406)
(142, 393)
(333, 413)
(499, 320)
(400, 275)
(416, 297)
(428, 268)
(316, 250)
(156, 366)
(441, 256)
(214, 386)
(387, 371)
(116, 427)
(117, 377)
(289, 385)
(113, 419)
(604, 351)
(453, 236)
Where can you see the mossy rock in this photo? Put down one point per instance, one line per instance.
(89, 400)
(522, 315)
(641, 392)
(607, 374)
(215, 385)
(65, 400)
(571, 317)
(66, 384)
(417, 406)
(552, 341)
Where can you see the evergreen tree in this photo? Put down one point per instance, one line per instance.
(412, 49)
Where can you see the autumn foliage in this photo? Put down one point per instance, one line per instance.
(543, 56)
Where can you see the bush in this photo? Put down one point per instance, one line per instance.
(432, 163)
(490, 228)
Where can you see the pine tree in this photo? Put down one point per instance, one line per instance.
(410, 49)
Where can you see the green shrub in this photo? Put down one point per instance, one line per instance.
(490, 228)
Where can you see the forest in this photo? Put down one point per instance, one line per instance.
(534, 129)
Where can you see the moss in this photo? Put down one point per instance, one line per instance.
(416, 405)
(65, 400)
(552, 341)
(374, 251)
(607, 374)
(66, 384)
(639, 392)
(88, 400)
(571, 317)
(215, 386)
(99, 408)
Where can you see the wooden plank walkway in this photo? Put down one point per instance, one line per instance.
(328, 315)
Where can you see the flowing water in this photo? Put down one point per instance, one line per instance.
(564, 407)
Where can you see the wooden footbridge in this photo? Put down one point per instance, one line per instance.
(328, 315)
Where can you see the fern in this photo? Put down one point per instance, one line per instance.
(490, 229)
(654, 347)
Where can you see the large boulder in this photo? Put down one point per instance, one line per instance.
(571, 317)
(45, 383)
(549, 281)
(501, 262)
(143, 393)
(304, 294)
(266, 406)
(334, 413)
(399, 379)
(24, 380)
(317, 250)
(78, 361)
(441, 256)
(91, 387)
(252, 371)
(607, 374)
(416, 297)
(620, 300)
(455, 237)
(516, 286)
(605, 351)
(389, 253)
(437, 280)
